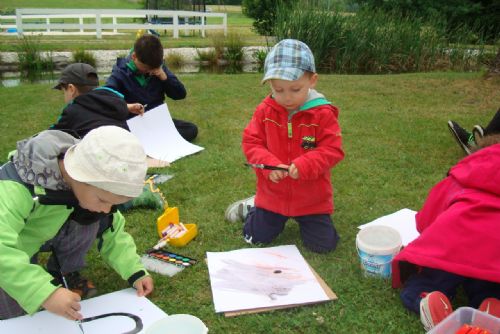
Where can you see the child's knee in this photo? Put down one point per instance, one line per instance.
(324, 247)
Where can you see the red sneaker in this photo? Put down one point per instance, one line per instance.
(434, 307)
(491, 306)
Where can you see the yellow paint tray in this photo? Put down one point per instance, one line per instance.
(171, 215)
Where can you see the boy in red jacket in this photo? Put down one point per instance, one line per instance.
(297, 129)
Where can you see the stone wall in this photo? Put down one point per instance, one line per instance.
(105, 59)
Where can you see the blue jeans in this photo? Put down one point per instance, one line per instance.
(317, 231)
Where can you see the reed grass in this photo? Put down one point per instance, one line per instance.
(82, 56)
(377, 42)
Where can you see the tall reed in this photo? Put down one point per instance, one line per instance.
(375, 42)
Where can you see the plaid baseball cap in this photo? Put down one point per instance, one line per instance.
(78, 74)
(288, 60)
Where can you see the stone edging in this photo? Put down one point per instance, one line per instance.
(105, 59)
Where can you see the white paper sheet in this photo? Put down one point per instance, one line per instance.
(159, 137)
(402, 220)
(252, 278)
(126, 300)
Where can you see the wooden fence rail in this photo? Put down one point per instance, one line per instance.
(42, 20)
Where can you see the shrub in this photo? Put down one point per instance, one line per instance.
(208, 56)
(82, 56)
(234, 48)
(30, 59)
(218, 41)
(175, 60)
(260, 57)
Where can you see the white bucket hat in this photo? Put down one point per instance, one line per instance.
(109, 158)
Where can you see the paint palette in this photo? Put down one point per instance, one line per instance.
(166, 263)
(172, 258)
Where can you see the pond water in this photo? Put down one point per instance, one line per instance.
(14, 79)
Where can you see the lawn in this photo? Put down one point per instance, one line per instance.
(397, 146)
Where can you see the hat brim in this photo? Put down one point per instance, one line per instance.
(58, 86)
(283, 73)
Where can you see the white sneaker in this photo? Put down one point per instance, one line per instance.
(239, 209)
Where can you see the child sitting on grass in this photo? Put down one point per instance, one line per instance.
(143, 78)
(458, 242)
(88, 106)
(297, 129)
(54, 177)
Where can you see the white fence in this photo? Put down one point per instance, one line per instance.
(41, 20)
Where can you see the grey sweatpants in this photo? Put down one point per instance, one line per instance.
(71, 245)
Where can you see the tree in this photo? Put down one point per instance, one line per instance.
(263, 12)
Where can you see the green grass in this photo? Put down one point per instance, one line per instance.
(397, 147)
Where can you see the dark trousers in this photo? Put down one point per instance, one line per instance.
(429, 280)
(187, 130)
(494, 125)
(317, 231)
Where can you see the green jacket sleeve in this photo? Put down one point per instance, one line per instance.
(28, 284)
(119, 251)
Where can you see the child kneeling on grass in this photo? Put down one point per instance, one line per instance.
(297, 129)
(458, 245)
(53, 177)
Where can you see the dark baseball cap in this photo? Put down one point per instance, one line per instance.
(78, 74)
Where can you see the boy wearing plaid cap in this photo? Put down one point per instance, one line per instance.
(297, 129)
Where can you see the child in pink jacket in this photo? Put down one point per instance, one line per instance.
(459, 241)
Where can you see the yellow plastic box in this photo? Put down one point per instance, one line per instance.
(171, 215)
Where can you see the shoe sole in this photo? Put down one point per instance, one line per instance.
(457, 138)
(426, 312)
(477, 133)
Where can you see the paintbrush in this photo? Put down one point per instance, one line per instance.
(262, 166)
(56, 261)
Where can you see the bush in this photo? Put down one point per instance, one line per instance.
(263, 12)
(234, 48)
(30, 59)
(175, 60)
(209, 56)
(260, 58)
(82, 56)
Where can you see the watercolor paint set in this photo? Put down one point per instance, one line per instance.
(166, 263)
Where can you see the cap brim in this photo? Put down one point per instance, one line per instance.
(283, 73)
(58, 86)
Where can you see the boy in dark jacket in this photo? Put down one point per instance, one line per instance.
(87, 107)
(143, 78)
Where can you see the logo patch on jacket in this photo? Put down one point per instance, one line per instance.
(308, 142)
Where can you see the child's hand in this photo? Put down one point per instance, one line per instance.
(144, 286)
(293, 172)
(65, 303)
(278, 175)
(160, 73)
(136, 108)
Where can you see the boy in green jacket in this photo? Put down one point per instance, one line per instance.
(53, 177)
